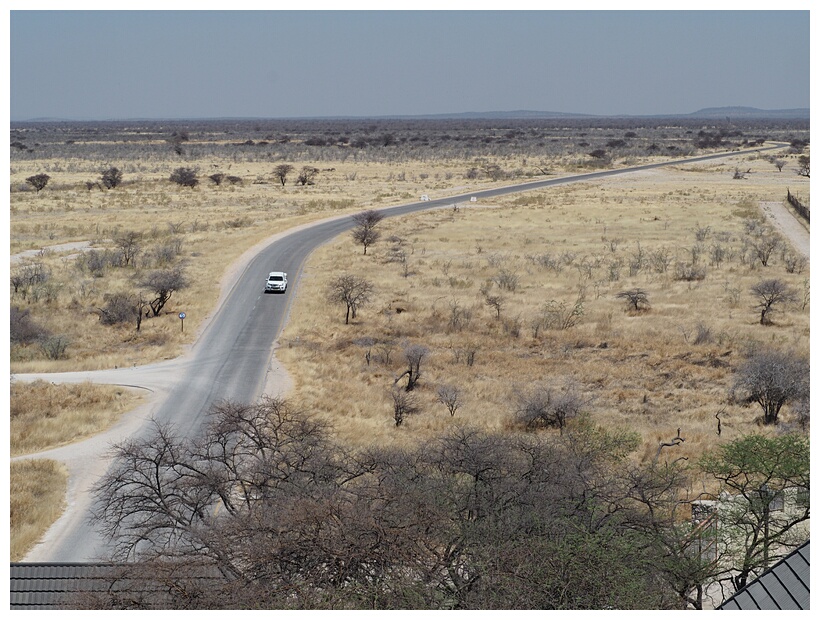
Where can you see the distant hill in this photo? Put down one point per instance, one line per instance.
(731, 112)
(743, 112)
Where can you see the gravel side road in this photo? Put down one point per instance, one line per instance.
(789, 225)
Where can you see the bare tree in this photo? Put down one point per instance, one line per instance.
(129, 246)
(364, 232)
(404, 404)
(413, 356)
(771, 378)
(307, 175)
(164, 283)
(559, 315)
(54, 347)
(23, 329)
(111, 178)
(165, 492)
(496, 302)
(450, 396)
(38, 181)
(264, 510)
(185, 177)
(281, 172)
(28, 276)
(351, 290)
(121, 308)
(763, 245)
(779, 163)
(636, 299)
(770, 294)
(545, 406)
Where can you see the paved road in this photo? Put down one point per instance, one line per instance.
(230, 360)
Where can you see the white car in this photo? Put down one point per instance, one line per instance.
(277, 282)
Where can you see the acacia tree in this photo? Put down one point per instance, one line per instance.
(281, 172)
(757, 527)
(38, 181)
(684, 547)
(129, 246)
(351, 290)
(771, 378)
(404, 404)
(413, 356)
(307, 175)
(111, 178)
(364, 231)
(185, 177)
(804, 166)
(544, 406)
(23, 329)
(163, 283)
(636, 299)
(121, 308)
(770, 294)
(264, 510)
(450, 396)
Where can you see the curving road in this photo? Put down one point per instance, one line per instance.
(230, 360)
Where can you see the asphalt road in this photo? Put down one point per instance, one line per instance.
(229, 361)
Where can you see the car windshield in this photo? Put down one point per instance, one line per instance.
(275, 278)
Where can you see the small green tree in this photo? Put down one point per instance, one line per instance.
(764, 484)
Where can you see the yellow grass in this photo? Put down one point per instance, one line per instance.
(640, 371)
(43, 415)
(215, 225)
(37, 490)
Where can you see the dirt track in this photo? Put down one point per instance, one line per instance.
(789, 225)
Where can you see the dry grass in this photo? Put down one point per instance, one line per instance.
(641, 371)
(214, 226)
(44, 415)
(37, 489)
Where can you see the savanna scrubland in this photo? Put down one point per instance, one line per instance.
(507, 303)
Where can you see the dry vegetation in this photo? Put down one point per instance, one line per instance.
(655, 371)
(680, 234)
(44, 415)
(37, 490)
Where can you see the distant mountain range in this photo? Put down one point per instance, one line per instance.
(736, 112)
(731, 112)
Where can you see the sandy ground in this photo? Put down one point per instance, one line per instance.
(75, 246)
(789, 225)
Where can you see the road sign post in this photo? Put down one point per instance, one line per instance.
(182, 321)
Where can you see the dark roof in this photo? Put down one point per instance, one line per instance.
(49, 586)
(69, 585)
(784, 586)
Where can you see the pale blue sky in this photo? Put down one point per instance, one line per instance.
(169, 64)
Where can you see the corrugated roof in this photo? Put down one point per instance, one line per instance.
(48, 586)
(56, 585)
(785, 585)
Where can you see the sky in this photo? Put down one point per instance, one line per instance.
(101, 65)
